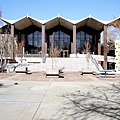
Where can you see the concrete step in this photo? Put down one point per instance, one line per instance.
(69, 64)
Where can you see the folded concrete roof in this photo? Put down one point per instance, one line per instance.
(89, 21)
(115, 22)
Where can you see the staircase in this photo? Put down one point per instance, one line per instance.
(68, 64)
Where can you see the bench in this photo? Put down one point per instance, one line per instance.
(34, 62)
(87, 72)
(106, 73)
(52, 73)
(23, 70)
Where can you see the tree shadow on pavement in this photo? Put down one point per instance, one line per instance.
(100, 103)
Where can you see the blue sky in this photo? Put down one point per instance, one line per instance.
(71, 9)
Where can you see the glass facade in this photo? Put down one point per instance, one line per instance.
(81, 37)
(61, 39)
(33, 44)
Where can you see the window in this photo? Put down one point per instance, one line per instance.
(80, 39)
(34, 43)
(61, 39)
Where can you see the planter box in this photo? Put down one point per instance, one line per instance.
(52, 73)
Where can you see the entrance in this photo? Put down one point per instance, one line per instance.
(61, 37)
(64, 53)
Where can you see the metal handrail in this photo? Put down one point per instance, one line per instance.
(94, 61)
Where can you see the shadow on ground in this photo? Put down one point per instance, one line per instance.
(101, 103)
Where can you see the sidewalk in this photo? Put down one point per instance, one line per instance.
(38, 98)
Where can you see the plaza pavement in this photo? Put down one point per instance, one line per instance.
(35, 97)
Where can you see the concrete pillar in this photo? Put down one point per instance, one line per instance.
(99, 46)
(45, 48)
(12, 46)
(73, 47)
(99, 49)
(43, 40)
(105, 47)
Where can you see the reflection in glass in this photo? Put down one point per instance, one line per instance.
(81, 37)
(34, 43)
(62, 40)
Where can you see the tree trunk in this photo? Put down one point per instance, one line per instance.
(1, 63)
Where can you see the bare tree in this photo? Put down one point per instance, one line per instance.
(5, 48)
(87, 48)
(111, 33)
(21, 51)
(54, 52)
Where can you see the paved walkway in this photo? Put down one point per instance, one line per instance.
(34, 97)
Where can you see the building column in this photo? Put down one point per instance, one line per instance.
(45, 48)
(105, 47)
(73, 45)
(12, 46)
(43, 40)
(99, 48)
(98, 44)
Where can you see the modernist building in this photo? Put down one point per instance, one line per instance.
(68, 35)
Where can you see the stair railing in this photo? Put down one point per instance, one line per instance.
(94, 61)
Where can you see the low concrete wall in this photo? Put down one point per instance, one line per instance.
(28, 59)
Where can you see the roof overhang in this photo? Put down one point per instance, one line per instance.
(24, 22)
(58, 21)
(8, 21)
(91, 22)
(115, 22)
(27, 21)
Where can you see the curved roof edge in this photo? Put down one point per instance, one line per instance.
(90, 16)
(60, 17)
(8, 21)
(17, 20)
(113, 22)
(45, 21)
